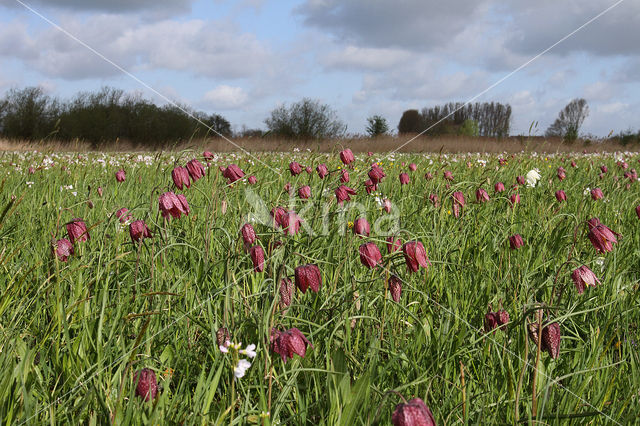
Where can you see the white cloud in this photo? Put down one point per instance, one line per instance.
(362, 58)
(226, 97)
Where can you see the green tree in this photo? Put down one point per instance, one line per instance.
(306, 119)
(377, 126)
(569, 120)
(469, 128)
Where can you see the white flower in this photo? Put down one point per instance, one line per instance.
(587, 191)
(250, 351)
(223, 349)
(533, 176)
(241, 368)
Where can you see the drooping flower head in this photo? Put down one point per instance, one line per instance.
(344, 176)
(583, 277)
(413, 413)
(77, 230)
(404, 178)
(139, 230)
(233, 173)
(498, 187)
(291, 223)
(347, 157)
(195, 169)
(146, 384)
(361, 227)
(395, 288)
(551, 337)
(448, 175)
(602, 238)
(413, 167)
(304, 192)
(121, 176)
(343, 194)
(63, 248)
(482, 195)
(596, 194)
(561, 196)
(252, 180)
(415, 255)
(180, 176)
(393, 244)
(308, 276)
(172, 205)
(289, 342)
(458, 202)
(376, 174)
(257, 257)
(516, 241)
(295, 168)
(322, 170)
(370, 255)
(123, 215)
(248, 234)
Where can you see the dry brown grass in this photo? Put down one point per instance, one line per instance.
(449, 144)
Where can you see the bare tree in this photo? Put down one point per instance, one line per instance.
(569, 120)
(306, 119)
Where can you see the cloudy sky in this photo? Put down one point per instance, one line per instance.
(243, 58)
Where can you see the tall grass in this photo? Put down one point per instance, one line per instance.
(74, 333)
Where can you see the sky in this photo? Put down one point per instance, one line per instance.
(242, 59)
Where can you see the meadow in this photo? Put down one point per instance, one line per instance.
(310, 315)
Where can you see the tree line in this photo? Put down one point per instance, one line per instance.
(102, 117)
(111, 114)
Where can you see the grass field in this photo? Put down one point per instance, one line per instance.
(75, 331)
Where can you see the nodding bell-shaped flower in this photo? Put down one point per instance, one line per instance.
(376, 174)
(252, 180)
(291, 223)
(322, 170)
(516, 241)
(413, 413)
(561, 173)
(309, 170)
(257, 257)
(386, 205)
(393, 244)
(180, 177)
(207, 155)
(233, 173)
(347, 157)
(62, 249)
(139, 230)
(494, 320)
(308, 276)
(415, 255)
(604, 169)
(146, 384)
(551, 339)
(561, 196)
(596, 193)
(638, 211)
(195, 169)
(289, 342)
(583, 277)
(482, 195)
(77, 230)
(304, 192)
(121, 175)
(413, 167)
(395, 288)
(295, 168)
(434, 200)
(602, 238)
(369, 186)
(344, 176)
(404, 178)
(223, 337)
(498, 187)
(123, 215)
(428, 176)
(172, 205)
(520, 180)
(361, 227)
(370, 255)
(248, 234)
(458, 203)
(343, 194)
(514, 199)
(286, 292)
(278, 214)
(448, 175)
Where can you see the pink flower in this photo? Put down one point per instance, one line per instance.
(582, 277)
(63, 248)
(448, 175)
(347, 157)
(257, 257)
(404, 178)
(604, 169)
(514, 199)
(146, 384)
(139, 230)
(308, 276)
(304, 192)
(361, 227)
(561, 196)
(322, 170)
(428, 176)
(344, 177)
(233, 173)
(482, 195)
(195, 169)
(289, 342)
(208, 156)
(278, 214)
(393, 244)
(286, 292)
(123, 215)
(395, 288)
(602, 238)
(638, 211)
(120, 176)
(295, 168)
(370, 255)
(369, 153)
(386, 205)
(413, 413)
(561, 173)
(496, 319)
(343, 194)
(596, 193)
(551, 339)
(100, 191)
(376, 174)
(77, 231)
(369, 186)
(248, 234)
(180, 176)
(413, 167)
(415, 255)
(458, 203)
(252, 180)
(573, 164)
(434, 200)
(498, 187)
(173, 205)
(520, 180)
(516, 241)
(291, 223)
(309, 170)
